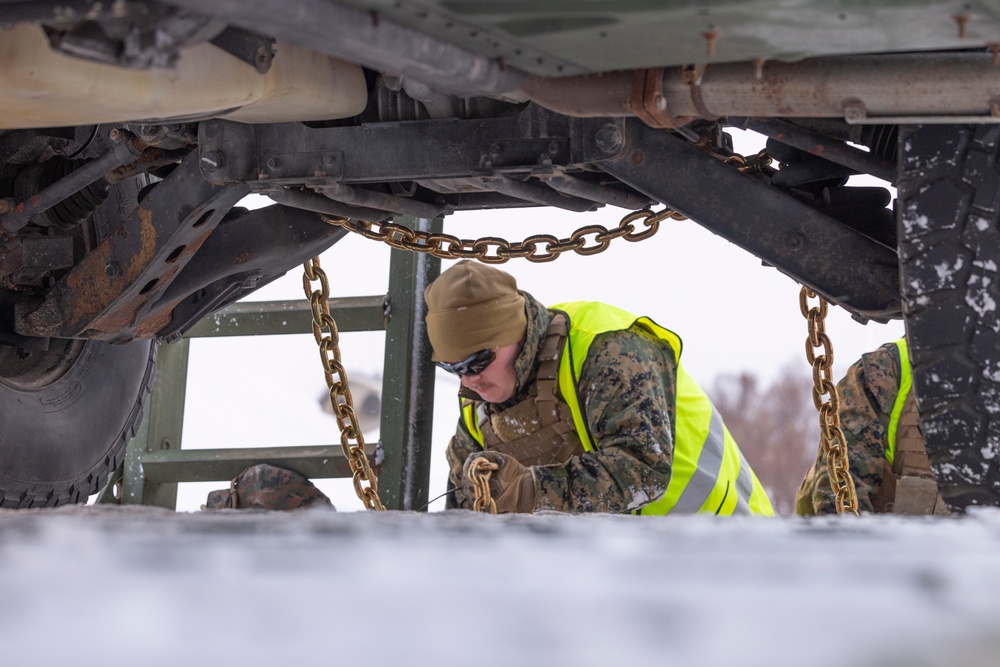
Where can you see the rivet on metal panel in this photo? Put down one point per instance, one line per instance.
(710, 39)
(962, 20)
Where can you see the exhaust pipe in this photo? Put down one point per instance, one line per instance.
(870, 89)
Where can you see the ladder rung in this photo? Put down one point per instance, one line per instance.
(255, 318)
(217, 465)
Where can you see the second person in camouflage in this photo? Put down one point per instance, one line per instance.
(885, 450)
(583, 407)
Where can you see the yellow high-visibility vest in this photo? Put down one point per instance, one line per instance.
(905, 385)
(710, 474)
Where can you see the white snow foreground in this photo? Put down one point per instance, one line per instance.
(139, 586)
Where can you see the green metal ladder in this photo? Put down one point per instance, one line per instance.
(155, 463)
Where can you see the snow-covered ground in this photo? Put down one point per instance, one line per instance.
(141, 586)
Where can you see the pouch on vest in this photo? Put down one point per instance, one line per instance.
(908, 485)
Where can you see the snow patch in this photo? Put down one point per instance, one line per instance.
(915, 222)
(639, 498)
(980, 300)
(945, 271)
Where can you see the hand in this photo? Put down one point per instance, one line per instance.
(512, 485)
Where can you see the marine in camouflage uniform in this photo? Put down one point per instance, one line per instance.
(628, 386)
(868, 394)
(627, 391)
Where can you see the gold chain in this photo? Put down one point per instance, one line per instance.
(340, 391)
(480, 472)
(537, 248)
(831, 435)
(540, 247)
(755, 164)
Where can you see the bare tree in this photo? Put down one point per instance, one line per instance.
(777, 427)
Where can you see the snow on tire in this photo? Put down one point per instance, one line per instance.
(949, 246)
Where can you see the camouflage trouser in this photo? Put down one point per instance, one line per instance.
(267, 487)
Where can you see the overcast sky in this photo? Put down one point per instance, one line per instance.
(732, 313)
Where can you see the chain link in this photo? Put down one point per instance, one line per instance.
(480, 471)
(336, 380)
(831, 435)
(588, 240)
(754, 164)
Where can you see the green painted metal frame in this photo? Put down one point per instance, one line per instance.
(155, 463)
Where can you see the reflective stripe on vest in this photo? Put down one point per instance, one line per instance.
(709, 472)
(905, 385)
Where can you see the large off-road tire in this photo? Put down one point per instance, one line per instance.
(66, 413)
(64, 428)
(949, 243)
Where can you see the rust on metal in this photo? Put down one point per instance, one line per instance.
(582, 96)
(711, 37)
(649, 103)
(148, 159)
(148, 327)
(91, 287)
(132, 313)
(962, 21)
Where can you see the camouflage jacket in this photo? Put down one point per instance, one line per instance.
(867, 395)
(627, 391)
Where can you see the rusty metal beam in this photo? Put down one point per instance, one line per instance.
(108, 295)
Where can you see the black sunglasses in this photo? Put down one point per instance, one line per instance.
(474, 364)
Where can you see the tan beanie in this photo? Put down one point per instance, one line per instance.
(472, 307)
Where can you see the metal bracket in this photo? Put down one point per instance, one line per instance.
(649, 102)
(109, 295)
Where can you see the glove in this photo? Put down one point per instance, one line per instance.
(512, 485)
